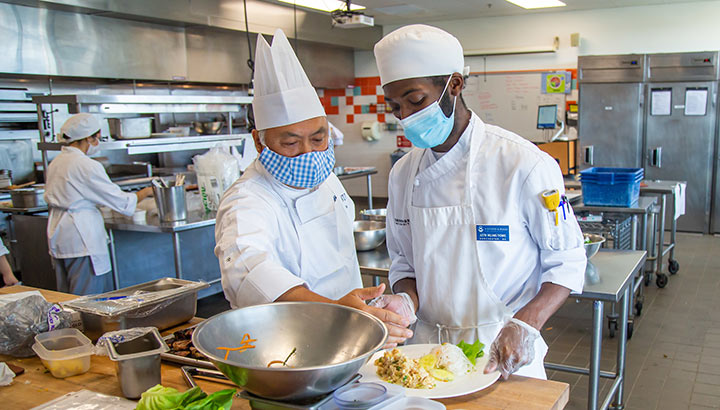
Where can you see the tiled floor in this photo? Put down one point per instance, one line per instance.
(673, 358)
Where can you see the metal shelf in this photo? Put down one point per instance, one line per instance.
(156, 145)
(145, 104)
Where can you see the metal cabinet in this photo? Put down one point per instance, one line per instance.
(680, 129)
(611, 110)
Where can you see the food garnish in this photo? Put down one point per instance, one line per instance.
(245, 344)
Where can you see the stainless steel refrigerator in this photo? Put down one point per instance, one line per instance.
(680, 128)
(611, 110)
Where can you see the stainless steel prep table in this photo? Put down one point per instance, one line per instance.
(643, 208)
(609, 281)
(146, 254)
(661, 189)
(357, 174)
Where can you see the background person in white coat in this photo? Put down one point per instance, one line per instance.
(285, 229)
(75, 186)
(474, 249)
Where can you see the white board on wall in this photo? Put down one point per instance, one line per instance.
(511, 101)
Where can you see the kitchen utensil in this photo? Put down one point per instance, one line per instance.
(462, 385)
(179, 179)
(368, 234)
(64, 352)
(27, 197)
(170, 202)
(323, 402)
(27, 184)
(595, 244)
(208, 128)
(161, 303)
(332, 342)
(130, 128)
(137, 362)
(378, 214)
(339, 170)
(190, 373)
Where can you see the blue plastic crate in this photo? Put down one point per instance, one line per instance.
(611, 186)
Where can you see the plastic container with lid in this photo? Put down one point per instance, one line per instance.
(64, 352)
(359, 395)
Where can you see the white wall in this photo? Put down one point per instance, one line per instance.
(648, 29)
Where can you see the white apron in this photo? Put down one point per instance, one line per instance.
(456, 302)
(91, 227)
(327, 247)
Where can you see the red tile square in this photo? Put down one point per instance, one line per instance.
(338, 92)
(374, 80)
(358, 81)
(381, 117)
(350, 119)
(368, 90)
(357, 109)
(348, 101)
(332, 110)
(373, 108)
(381, 99)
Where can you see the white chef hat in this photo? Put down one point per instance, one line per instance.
(283, 93)
(417, 51)
(80, 126)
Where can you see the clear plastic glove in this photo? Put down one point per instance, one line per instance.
(513, 348)
(400, 303)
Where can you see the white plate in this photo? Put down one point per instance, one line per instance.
(461, 386)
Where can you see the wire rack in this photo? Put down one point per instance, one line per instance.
(615, 228)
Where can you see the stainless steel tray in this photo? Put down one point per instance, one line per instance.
(161, 303)
(186, 361)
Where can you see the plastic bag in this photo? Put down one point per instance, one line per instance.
(22, 319)
(87, 400)
(216, 170)
(119, 336)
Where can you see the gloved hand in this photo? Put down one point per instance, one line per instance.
(400, 303)
(513, 348)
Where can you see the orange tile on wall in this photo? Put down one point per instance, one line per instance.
(358, 109)
(381, 117)
(348, 101)
(381, 99)
(368, 89)
(350, 119)
(332, 110)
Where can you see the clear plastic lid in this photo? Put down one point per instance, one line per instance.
(359, 395)
(62, 344)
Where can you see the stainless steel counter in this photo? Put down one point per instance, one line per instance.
(196, 219)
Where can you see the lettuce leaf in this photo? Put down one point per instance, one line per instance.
(167, 398)
(220, 400)
(472, 351)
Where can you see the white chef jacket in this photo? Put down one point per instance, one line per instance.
(258, 240)
(3, 249)
(75, 186)
(512, 174)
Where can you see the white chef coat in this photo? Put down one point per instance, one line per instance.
(267, 243)
(75, 186)
(511, 173)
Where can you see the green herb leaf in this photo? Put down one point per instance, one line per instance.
(472, 351)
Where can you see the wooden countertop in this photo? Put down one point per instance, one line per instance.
(37, 386)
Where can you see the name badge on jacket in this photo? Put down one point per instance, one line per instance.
(493, 233)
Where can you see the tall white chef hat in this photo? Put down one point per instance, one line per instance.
(80, 126)
(283, 93)
(417, 51)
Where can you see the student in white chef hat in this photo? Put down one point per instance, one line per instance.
(284, 230)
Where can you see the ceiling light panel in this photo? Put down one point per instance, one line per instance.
(537, 4)
(323, 5)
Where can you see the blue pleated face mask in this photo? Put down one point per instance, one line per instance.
(304, 171)
(430, 127)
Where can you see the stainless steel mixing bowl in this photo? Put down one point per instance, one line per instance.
(378, 214)
(593, 247)
(368, 234)
(333, 342)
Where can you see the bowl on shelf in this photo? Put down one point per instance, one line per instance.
(592, 244)
(377, 214)
(368, 234)
(208, 128)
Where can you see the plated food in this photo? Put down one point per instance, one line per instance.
(431, 370)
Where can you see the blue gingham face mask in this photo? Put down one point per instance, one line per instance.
(304, 171)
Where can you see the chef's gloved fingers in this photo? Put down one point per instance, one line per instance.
(513, 348)
(400, 303)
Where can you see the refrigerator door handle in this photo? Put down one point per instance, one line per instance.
(590, 155)
(656, 157)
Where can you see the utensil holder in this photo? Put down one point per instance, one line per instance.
(171, 203)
